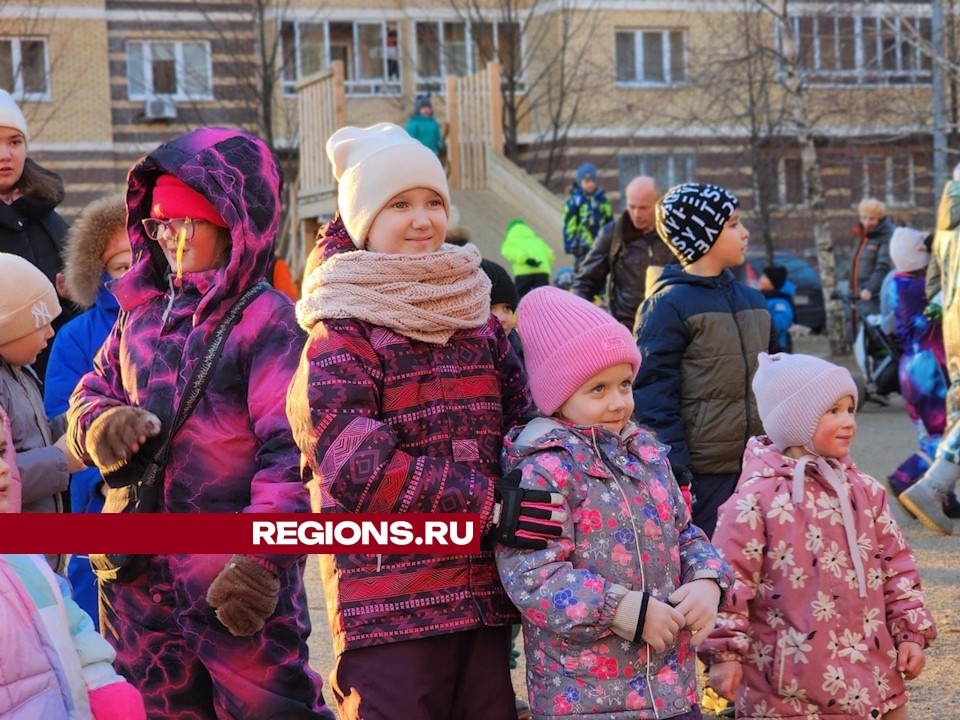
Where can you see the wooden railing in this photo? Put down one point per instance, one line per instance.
(473, 113)
(322, 110)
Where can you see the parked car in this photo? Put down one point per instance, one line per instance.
(808, 298)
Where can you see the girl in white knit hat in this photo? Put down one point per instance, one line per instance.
(400, 404)
(826, 614)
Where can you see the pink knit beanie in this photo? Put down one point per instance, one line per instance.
(566, 341)
(908, 251)
(794, 391)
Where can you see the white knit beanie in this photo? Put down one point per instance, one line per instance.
(566, 341)
(28, 302)
(10, 114)
(794, 391)
(908, 251)
(374, 164)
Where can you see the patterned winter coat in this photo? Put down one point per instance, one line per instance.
(628, 528)
(391, 424)
(583, 216)
(808, 643)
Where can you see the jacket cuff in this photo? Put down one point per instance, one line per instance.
(627, 620)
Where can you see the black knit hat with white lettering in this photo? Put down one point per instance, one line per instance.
(690, 218)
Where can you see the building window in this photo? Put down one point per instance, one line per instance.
(786, 186)
(651, 57)
(889, 178)
(457, 48)
(668, 169)
(858, 50)
(24, 68)
(180, 70)
(369, 51)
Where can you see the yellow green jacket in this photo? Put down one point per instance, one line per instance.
(525, 251)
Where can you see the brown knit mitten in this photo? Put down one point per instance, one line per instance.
(117, 435)
(244, 595)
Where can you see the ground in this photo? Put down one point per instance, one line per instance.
(885, 438)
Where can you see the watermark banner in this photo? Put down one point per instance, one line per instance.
(253, 533)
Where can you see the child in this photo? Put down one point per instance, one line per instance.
(203, 634)
(503, 301)
(871, 259)
(826, 616)
(773, 284)
(423, 126)
(923, 364)
(529, 256)
(612, 607)
(699, 334)
(28, 306)
(404, 392)
(925, 498)
(586, 211)
(56, 666)
(97, 251)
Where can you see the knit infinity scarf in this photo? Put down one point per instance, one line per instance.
(423, 297)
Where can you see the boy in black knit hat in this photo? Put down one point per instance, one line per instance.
(773, 285)
(503, 301)
(699, 334)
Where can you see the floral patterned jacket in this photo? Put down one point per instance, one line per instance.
(809, 644)
(628, 526)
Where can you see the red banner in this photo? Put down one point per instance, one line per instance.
(256, 534)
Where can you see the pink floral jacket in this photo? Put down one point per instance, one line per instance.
(815, 628)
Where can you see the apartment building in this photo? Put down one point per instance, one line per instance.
(681, 90)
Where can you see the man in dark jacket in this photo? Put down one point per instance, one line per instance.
(626, 251)
(29, 194)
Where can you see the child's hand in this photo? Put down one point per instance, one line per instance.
(661, 625)
(116, 435)
(725, 678)
(698, 601)
(910, 659)
(74, 464)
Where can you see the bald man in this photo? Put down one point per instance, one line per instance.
(627, 256)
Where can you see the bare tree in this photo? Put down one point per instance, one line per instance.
(545, 79)
(801, 128)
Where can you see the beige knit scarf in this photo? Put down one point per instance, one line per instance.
(423, 297)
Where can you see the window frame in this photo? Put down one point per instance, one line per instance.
(877, 27)
(180, 70)
(666, 60)
(436, 84)
(16, 56)
(862, 163)
(382, 86)
(641, 165)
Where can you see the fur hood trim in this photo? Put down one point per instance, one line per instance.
(41, 184)
(458, 235)
(85, 244)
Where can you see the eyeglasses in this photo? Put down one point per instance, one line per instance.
(156, 229)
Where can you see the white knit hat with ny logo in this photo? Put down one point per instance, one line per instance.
(28, 301)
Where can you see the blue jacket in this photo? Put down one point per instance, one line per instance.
(699, 338)
(71, 358)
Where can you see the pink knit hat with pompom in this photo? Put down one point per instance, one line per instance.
(566, 341)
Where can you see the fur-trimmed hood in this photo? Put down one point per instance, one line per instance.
(85, 244)
(41, 185)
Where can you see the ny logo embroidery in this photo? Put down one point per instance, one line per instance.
(41, 315)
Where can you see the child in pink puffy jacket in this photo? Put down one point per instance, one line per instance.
(53, 664)
(826, 616)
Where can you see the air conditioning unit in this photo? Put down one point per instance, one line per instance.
(160, 107)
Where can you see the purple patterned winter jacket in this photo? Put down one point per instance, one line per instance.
(389, 424)
(236, 452)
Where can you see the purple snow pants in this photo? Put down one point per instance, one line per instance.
(173, 649)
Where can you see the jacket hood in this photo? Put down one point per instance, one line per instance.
(519, 230)
(458, 235)
(583, 443)
(676, 275)
(762, 458)
(85, 243)
(44, 187)
(884, 228)
(241, 178)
